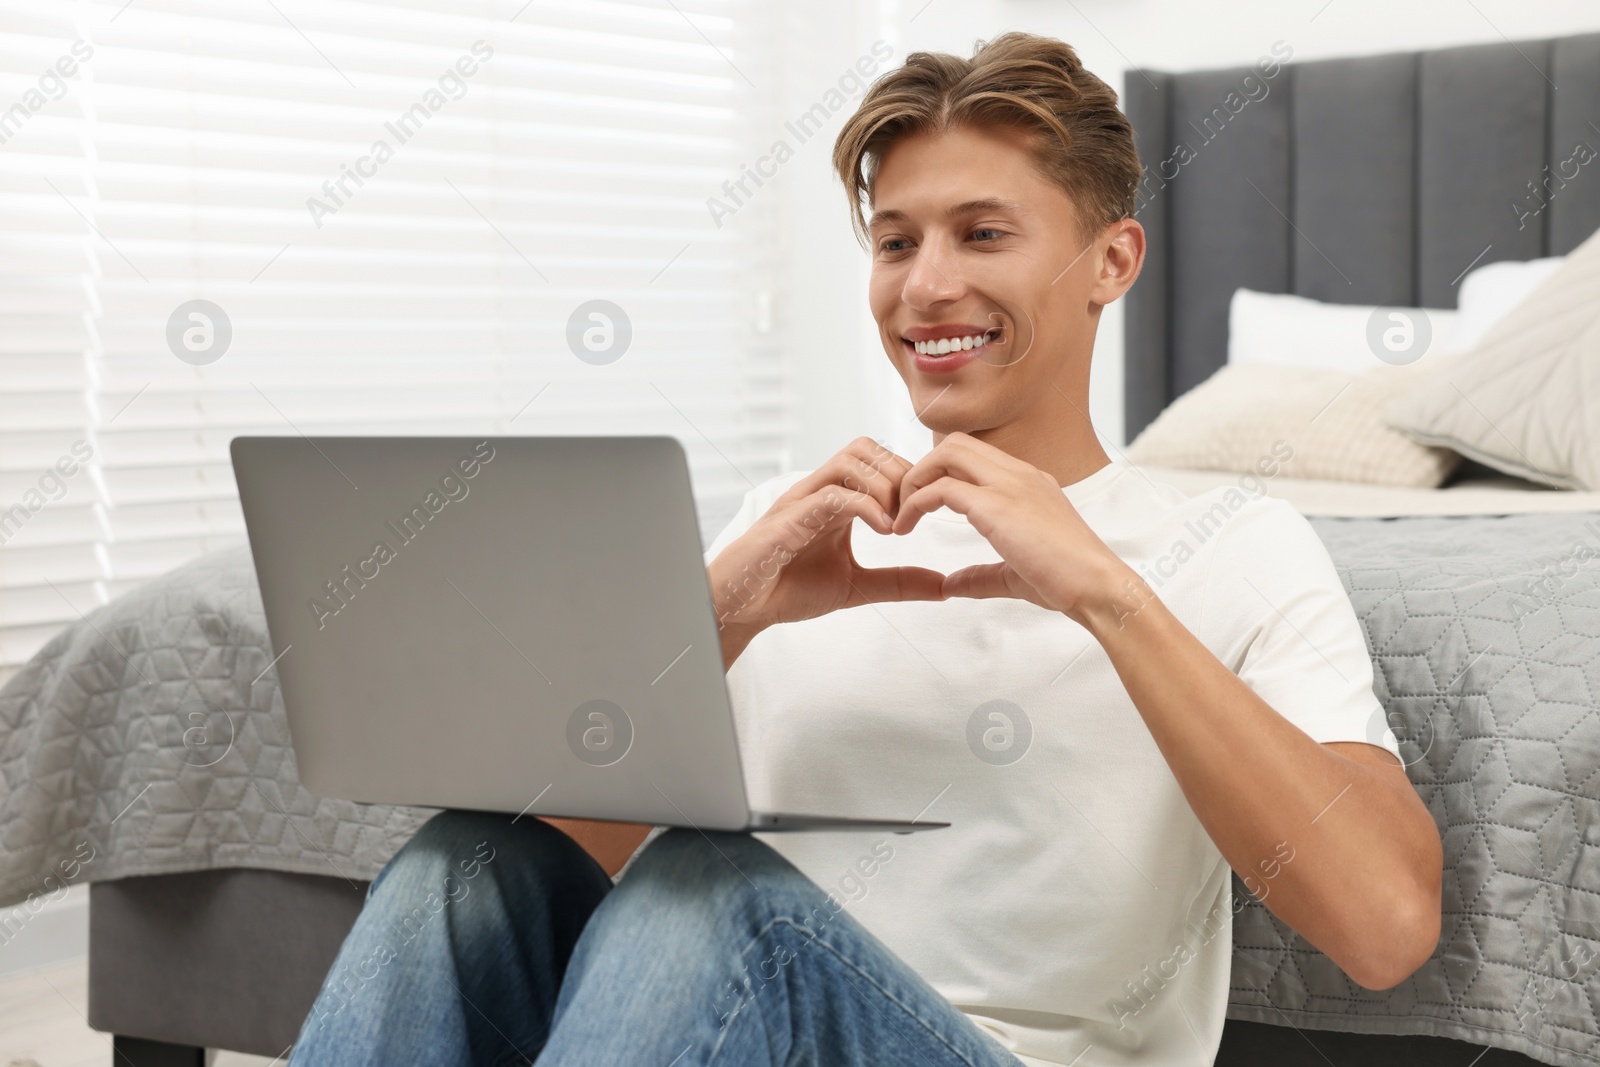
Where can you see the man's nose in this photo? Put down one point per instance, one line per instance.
(934, 277)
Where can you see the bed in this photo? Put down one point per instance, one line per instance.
(146, 749)
(220, 889)
(1382, 180)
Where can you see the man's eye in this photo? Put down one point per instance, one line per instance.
(987, 234)
(893, 244)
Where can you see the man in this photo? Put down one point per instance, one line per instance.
(1115, 695)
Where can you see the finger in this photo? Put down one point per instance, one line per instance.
(983, 449)
(871, 475)
(862, 466)
(881, 585)
(959, 455)
(948, 492)
(886, 468)
(981, 580)
(828, 508)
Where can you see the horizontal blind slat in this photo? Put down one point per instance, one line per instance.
(180, 160)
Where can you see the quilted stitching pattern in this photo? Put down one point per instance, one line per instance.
(1485, 633)
(93, 749)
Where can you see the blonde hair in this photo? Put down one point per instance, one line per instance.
(1083, 142)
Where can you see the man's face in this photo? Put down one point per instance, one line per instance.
(973, 245)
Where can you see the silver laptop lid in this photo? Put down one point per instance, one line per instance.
(507, 624)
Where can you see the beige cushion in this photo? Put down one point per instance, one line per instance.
(1526, 400)
(1328, 424)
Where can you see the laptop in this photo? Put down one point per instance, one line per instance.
(513, 624)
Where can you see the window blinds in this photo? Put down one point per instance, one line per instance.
(396, 216)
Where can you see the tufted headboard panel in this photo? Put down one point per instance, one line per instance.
(1369, 180)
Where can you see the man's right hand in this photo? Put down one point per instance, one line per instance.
(795, 562)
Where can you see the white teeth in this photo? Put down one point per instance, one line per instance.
(950, 344)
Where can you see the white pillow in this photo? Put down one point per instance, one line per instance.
(1283, 330)
(1490, 292)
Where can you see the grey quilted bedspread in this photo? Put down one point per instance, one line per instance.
(148, 739)
(1485, 635)
(151, 738)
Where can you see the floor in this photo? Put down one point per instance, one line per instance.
(42, 1023)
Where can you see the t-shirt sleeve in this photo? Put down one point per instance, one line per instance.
(1278, 617)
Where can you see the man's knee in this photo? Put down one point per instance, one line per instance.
(446, 839)
(707, 854)
(717, 872)
(454, 848)
(452, 829)
(703, 914)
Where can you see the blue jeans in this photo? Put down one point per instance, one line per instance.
(493, 940)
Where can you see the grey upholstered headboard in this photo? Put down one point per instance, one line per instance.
(1370, 180)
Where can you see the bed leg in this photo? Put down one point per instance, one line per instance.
(137, 1052)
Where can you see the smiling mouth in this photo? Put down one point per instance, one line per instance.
(945, 345)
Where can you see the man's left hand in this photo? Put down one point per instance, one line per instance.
(1049, 555)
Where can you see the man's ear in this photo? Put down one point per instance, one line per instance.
(1121, 255)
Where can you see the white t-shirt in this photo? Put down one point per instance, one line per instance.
(1076, 908)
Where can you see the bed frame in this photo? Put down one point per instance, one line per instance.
(233, 959)
(1372, 180)
(220, 959)
(1367, 180)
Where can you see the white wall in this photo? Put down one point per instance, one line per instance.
(1112, 36)
(821, 303)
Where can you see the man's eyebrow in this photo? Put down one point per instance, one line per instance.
(988, 204)
(970, 207)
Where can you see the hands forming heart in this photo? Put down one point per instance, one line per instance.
(1049, 555)
(795, 562)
